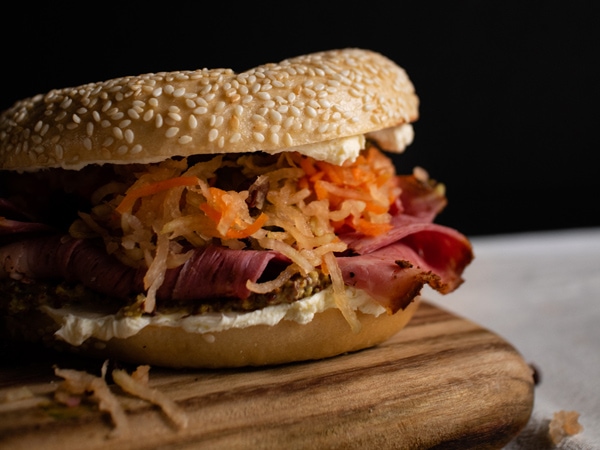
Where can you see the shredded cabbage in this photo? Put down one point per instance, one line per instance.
(290, 203)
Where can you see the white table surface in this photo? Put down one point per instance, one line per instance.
(541, 292)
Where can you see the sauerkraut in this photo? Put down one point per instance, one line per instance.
(289, 203)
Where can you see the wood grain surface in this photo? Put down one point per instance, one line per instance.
(442, 382)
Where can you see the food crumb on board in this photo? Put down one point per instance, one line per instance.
(78, 383)
(563, 424)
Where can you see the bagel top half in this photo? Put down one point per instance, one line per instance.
(331, 96)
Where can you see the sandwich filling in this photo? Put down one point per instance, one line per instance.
(223, 234)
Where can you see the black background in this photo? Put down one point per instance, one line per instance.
(509, 90)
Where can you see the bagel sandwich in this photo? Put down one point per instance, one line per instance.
(209, 218)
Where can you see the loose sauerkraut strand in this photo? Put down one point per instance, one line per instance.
(77, 384)
(296, 206)
(139, 387)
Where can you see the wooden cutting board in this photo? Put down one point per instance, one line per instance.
(442, 382)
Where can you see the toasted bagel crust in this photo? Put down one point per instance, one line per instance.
(327, 335)
(148, 118)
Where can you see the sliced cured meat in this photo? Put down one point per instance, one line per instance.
(395, 273)
(64, 258)
(209, 273)
(391, 272)
(217, 272)
(421, 199)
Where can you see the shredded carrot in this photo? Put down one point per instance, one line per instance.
(211, 212)
(153, 188)
(368, 179)
(320, 190)
(376, 208)
(372, 229)
(216, 208)
(249, 230)
(215, 205)
(308, 166)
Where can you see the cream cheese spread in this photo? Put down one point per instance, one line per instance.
(77, 326)
(335, 151)
(394, 139)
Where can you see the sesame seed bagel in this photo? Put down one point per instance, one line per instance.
(147, 220)
(148, 118)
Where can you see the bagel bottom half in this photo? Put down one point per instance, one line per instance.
(327, 334)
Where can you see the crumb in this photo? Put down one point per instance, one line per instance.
(563, 424)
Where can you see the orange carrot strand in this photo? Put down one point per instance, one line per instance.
(249, 230)
(153, 188)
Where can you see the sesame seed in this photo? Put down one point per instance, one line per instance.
(288, 122)
(66, 103)
(129, 136)
(263, 95)
(108, 142)
(219, 107)
(275, 116)
(171, 132)
(117, 133)
(133, 114)
(117, 116)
